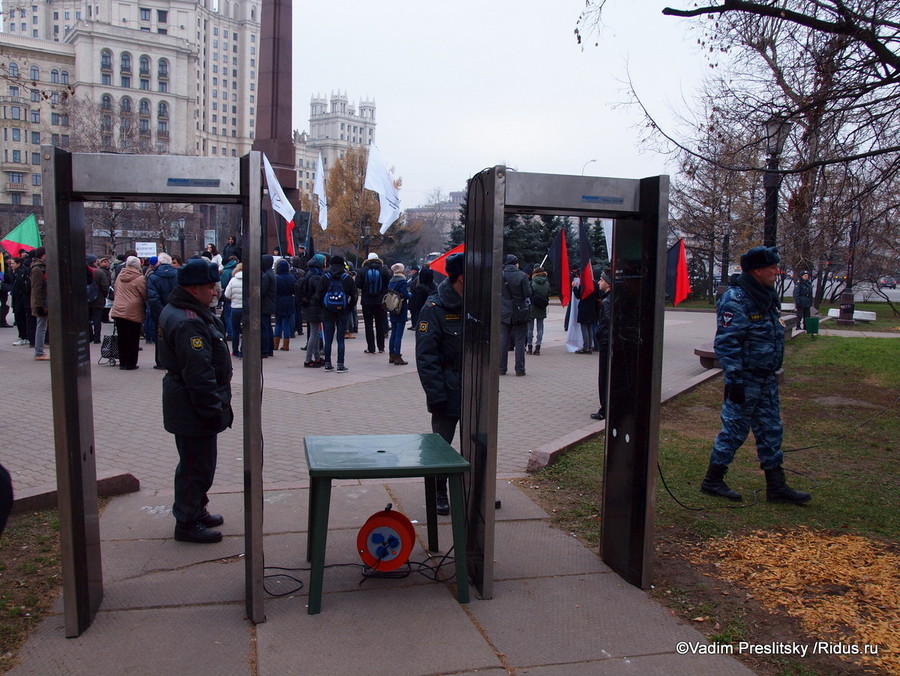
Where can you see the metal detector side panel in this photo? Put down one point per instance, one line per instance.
(149, 178)
(632, 430)
(480, 367)
(570, 195)
(73, 412)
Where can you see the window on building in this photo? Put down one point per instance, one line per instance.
(144, 107)
(36, 138)
(144, 65)
(35, 158)
(125, 62)
(106, 79)
(14, 91)
(144, 125)
(15, 113)
(35, 73)
(54, 76)
(106, 59)
(17, 156)
(35, 179)
(162, 31)
(145, 84)
(163, 87)
(162, 110)
(16, 134)
(15, 199)
(35, 117)
(36, 199)
(145, 13)
(126, 81)
(162, 16)
(125, 105)
(106, 102)
(64, 76)
(67, 15)
(16, 177)
(163, 69)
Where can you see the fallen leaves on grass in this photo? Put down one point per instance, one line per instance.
(840, 587)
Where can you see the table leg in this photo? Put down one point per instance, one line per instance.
(320, 499)
(431, 513)
(458, 517)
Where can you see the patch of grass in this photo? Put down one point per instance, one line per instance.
(30, 577)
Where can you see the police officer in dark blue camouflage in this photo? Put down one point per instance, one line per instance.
(196, 394)
(439, 359)
(750, 347)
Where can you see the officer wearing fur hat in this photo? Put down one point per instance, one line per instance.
(750, 346)
(196, 394)
(439, 359)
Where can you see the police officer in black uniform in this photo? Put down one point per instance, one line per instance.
(196, 394)
(439, 359)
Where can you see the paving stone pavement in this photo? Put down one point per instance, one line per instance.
(375, 397)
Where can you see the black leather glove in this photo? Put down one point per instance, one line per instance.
(734, 392)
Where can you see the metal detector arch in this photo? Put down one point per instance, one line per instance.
(639, 208)
(69, 180)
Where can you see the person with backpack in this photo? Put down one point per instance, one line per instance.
(514, 300)
(398, 290)
(159, 285)
(540, 299)
(337, 295)
(307, 287)
(372, 282)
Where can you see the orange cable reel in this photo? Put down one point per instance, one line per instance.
(386, 540)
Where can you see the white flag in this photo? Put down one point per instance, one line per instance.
(276, 194)
(319, 192)
(380, 179)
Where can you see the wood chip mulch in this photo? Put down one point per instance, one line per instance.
(843, 588)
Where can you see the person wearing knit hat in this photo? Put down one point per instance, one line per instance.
(398, 288)
(337, 296)
(129, 310)
(439, 359)
(515, 301)
(602, 339)
(196, 394)
(749, 345)
(372, 282)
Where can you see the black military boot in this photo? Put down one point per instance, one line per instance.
(211, 520)
(196, 532)
(443, 502)
(714, 483)
(778, 491)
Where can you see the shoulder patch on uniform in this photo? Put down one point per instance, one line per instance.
(423, 327)
(190, 314)
(197, 343)
(452, 317)
(727, 318)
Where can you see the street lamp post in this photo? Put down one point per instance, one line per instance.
(585, 166)
(848, 306)
(777, 129)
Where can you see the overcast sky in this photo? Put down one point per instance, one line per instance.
(464, 85)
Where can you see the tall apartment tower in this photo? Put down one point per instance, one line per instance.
(159, 76)
(335, 126)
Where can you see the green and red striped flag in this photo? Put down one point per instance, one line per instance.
(24, 236)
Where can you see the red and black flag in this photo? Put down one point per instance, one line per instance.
(586, 271)
(559, 261)
(678, 285)
(439, 264)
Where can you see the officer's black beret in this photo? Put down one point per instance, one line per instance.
(456, 264)
(760, 257)
(198, 271)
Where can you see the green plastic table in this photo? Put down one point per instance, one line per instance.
(383, 456)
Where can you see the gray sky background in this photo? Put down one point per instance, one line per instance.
(464, 85)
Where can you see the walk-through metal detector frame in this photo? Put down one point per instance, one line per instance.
(69, 180)
(639, 208)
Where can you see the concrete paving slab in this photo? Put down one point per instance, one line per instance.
(534, 548)
(422, 630)
(646, 665)
(561, 619)
(211, 640)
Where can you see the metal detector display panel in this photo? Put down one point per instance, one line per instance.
(69, 179)
(639, 208)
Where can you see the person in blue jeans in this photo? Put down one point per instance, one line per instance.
(335, 317)
(234, 292)
(284, 305)
(398, 320)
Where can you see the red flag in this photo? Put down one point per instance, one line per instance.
(289, 237)
(558, 256)
(678, 285)
(439, 264)
(586, 270)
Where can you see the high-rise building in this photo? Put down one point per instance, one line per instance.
(162, 76)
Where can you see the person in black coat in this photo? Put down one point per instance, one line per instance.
(196, 395)
(305, 291)
(231, 249)
(423, 288)
(267, 291)
(335, 320)
(602, 340)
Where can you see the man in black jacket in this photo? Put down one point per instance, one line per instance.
(439, 359)
(603, 344)
(372, 282)
(196, 394)
(515, 295)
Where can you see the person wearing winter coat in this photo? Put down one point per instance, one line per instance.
(227, 270)
(234, 293)
(305, 291)
(284, 305)
(803, 299)
(335, 321)
(39, 301)
(516, 292)
(128, 311)
(267, 291)
(587, 314)
(159, 285)
(231, 249)
(372, 281)
(602, 341)
(540, 298)
(423, 288)
(398, 321)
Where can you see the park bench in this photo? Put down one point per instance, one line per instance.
(858, 315)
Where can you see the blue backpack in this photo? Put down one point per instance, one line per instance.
(335, 300)
(373, 281)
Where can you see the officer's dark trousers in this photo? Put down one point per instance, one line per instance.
(193, 476)
(375, 319)
(602, 375)
(446, 427)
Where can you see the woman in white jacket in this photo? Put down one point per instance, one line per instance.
(235, 293)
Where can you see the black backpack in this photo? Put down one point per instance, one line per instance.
(93, 293)
(335, 299)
